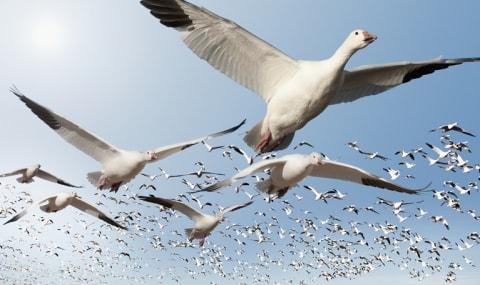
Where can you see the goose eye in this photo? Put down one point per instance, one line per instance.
(356, 33)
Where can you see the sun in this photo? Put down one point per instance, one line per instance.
(48, 35)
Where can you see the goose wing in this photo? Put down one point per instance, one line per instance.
(376, 78)
(89, 143)
(190, 212)
(52, 178)
(92, 210)
(343, 171)
(26, 210)
(164, 151)
(254, 168)
(226, 46)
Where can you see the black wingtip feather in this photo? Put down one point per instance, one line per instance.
(170, 13)
(426, 69)
(156, 200)
(43, 113)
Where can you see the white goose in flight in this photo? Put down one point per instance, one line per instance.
(120, 166)
(60, 201)
(204, 223)
(288, 170)
(295, 91)
(29, 172)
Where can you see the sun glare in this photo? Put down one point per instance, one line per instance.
(48, 35)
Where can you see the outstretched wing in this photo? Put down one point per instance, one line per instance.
(175, 205)
(165, 151)
(26, 210)
(92, 210)
(236, 207)
(226, 46)
(89, 143)
(376, 78)
(343, 171)
(15, 172)
(254, 168)
(52, 178)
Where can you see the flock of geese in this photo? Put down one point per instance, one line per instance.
(295, 92)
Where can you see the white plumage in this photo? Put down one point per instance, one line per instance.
(204, 223)
(287, 171)
(29, 172)
(120, 166)
(60, 201)
(295, 91)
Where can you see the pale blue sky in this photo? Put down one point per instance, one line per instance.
(119, 73)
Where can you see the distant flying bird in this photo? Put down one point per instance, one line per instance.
(60, 201)
(394, 204)
(394, 173)
(204, 223)
(441, 219)
(303, 143)
(452, 127)
(296, 91)
(332, 194)
(247, 157)
(210, 148)
(355, 146)
(120, 166)
(287, 171)
(34, 171)
(373, 155)
(152, 176)
(439, 151)
(199, 173)
(407, 164)
(405, 154)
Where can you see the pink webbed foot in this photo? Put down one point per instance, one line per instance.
(264, 140)
(264, 146)
(103, 182)
(201, 242)
(115, 186)
(282, 192)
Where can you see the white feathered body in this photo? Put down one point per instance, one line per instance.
(121, 168)
(287, 175)
(59, 202)
(302, 98)
(30, 172)
(203, 228)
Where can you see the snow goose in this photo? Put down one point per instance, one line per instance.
(204, 223)
(60, 201)
(452, 127)
(34, 171)
(296, 91)
(120, 166)
(288, 170)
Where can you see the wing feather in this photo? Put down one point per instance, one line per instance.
(343, 171)
(175, 205)
(92, 210)
(15, 172)
(376, 78)
(226, 46)
(165, 151)
(89, 143)
(28, 209)
(254, 168)
(236, 207)
(52, 178)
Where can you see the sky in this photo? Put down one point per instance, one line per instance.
(114, 69)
